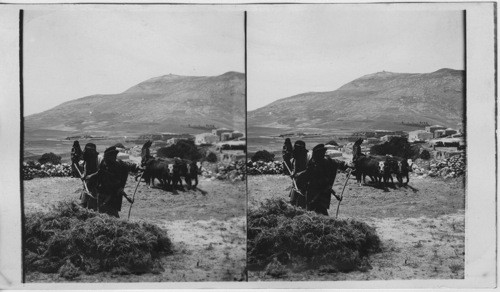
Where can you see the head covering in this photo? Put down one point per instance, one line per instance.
(287, 146)
(90, 151)
(77, 150)
(299, 143)
(147, 144)
(110, 152)
(90, 146)
(319, 147)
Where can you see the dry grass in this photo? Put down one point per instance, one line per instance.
(71, 240)
(279, 231)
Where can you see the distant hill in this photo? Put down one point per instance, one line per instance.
(376, 101)
(162, 104)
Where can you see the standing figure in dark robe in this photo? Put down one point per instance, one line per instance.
(319, 177)
(299, 163)
(146, 152)
(90, 167)
(76, 156)
(287, 156)
(111, 180)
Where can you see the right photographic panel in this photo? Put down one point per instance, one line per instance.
(356, 144)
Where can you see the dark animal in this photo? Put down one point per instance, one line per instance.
(387, 169)
(365, 165)
(174, 166)
(189, 170)
(156, 169)
(404, 168)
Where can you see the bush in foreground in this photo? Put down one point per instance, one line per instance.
(279, 231)
(50, 158)
(263, 155)
(185, 149)
(72, 240)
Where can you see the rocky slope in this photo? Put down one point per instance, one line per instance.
(162, 104)
(376, 101)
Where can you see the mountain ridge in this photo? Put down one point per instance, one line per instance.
(372, 101)
(160, 104)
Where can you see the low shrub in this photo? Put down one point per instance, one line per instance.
(50, 158)
(211, 157)
(72, 240)
(397, 146)
(263, 155)
(279, 231)
(185, 149)
(425, 154)
(332, 142)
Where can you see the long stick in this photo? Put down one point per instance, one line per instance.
(293, 181)
(342, 194)
(83, 181)
(133, 196)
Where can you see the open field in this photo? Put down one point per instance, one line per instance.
(421, 227)
(207, 227)
(265, 138)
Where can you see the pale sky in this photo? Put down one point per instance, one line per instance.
(296, 51)
(73, 53)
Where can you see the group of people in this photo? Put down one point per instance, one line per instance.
(104, 178)
(313, 174)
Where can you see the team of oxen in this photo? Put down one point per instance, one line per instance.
(380, 169)
(168, 171)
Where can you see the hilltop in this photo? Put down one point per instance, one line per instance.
(376, 101)
(162, 104)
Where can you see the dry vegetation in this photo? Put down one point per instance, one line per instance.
(207, 228)
(421, 228)
(280, 234)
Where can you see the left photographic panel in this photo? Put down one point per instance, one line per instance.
(134, 144)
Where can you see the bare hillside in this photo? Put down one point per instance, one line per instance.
(162, 104)
(379, 100)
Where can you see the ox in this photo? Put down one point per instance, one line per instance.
(404, 168)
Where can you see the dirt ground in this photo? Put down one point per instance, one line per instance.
(207, 227)
(422, 227)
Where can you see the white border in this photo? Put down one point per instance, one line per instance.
(481, 203)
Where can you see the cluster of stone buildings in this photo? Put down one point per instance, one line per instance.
(433, 132)
(218, 135)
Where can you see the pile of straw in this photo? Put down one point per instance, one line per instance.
(72, 240)
(279, 231)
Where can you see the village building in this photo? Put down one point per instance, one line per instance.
(439, 133)
(372, 140)
(237, 134)
(173, 140)
(447, 142)
(432, 129)
(419, 135)
(388, 138)
(225, 136)
(159, 143)
(460, 128)
(219, 131)
(229, 151)
(450, 131)
(381, 133)
(206, 138)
